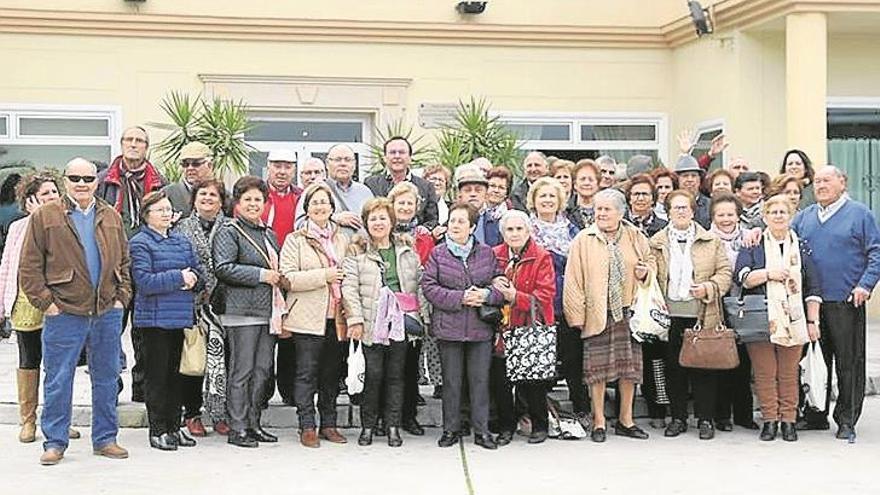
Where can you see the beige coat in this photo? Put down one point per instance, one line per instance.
(305, 264)
(585, 294)
(710, 265)
(363, 279)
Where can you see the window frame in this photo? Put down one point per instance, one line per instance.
(706, 127)
(15, 112)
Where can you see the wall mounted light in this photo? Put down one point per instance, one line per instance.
(701, 18)
(471, 8)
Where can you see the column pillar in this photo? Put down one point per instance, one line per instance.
(806, 84)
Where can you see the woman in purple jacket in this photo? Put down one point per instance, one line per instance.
(457, 281)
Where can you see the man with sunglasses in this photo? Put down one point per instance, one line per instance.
(195, 161)
(75, 269)
(123, 185)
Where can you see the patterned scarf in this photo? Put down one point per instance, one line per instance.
(497, 211)
(460, 251)
(325, 237)
(553, 236)
(643, 223)
(133, 184)
(615, 276)
(785, 300)
(732, 242)
(407, 227)
(681, 264)
(751, 216)
(587, 214)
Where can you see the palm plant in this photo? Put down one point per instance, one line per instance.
(220, 124)
(422, 152)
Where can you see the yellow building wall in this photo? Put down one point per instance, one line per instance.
(853, 69)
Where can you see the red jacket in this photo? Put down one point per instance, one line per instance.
(534, 276)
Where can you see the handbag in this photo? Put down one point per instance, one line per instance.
(709, 348)
(490, 314)
(650, 319)
(357, 367)
(194, 355)
(748, 316)
(531, 349)
(814, 377)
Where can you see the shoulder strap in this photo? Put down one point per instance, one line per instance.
(250, 239)
(334, 189)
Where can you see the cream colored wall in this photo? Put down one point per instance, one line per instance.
(853, 69)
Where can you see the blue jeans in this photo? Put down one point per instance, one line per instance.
(64, 336)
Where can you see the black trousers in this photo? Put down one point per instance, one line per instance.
(470, 360)
(654, 376)
(285, 369)
(735, 391)
(317, 372)
(703, 383)
(30, 349)
(138, 372)
(533, 393)
(384, 377)
(570, 349)
(411, 380)
(843, 346)
(191, 395)
(162, 382)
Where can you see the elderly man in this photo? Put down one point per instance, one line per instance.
(75, 269)
(534, 166)
(690, 175)
(398, 160)
(123, 186)
(350, 195)
(312, 170)
(283, 194)
(195, 160)
(845, 240)
(472, 186)
(607, 171)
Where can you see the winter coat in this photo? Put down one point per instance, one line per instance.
(710, 265)
(305, 264)
(9, 265)
(363, 279)
(156, 268)
(444, 281)
(533, 277)
(190, 228)
(238, 266)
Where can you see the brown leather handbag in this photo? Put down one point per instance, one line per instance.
(709, 348)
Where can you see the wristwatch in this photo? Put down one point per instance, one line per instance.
(814, 322)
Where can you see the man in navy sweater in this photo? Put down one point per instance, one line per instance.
(845, 240)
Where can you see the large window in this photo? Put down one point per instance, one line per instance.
(49, 136)
(588, 136)
(854, 145)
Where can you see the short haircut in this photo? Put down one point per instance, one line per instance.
(779, 183)
(809, 172)
(140, 128)
(546, 182)
(216, 184)
(472, 213)
(661, 172)
(247, 183)
(312, 190)
(150, 200)
(745, 177)
(641, 179)
(396, 138)
(707, 182)
(585, 163)
(436, 168)
(378, 203)
(683, 193)
(402, 188)
(502, 173)
(30, 184)
(561, 164)
(511, 214)
(606, 160)
(617, 198)
(722, 197)
(778, 199)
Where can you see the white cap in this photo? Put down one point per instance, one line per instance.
(282, 156)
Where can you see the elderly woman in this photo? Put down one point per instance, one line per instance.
(457, 282)
(607, 262)
(734, 392)
(406, 200)
(439, 177)
(497, 203)
(208, 198)
(26, 320)
(779, 268)
(552, 231)
(797, 163)
(165, 272)
(380, 265)
(665, 181)
(693, 272)
(789, 186)
(561, 171)
(586, 185)
(311, 259)
(250, 306)
(641, 196)
(717, 181)
(528, 275)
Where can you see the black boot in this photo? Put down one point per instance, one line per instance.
(366, 437)
(394, 439)
(165, 441)
(485, 440)
(448, 439)
(241, 439)
(707, 429)
(183, 439)
(789, 432)
(768, 432)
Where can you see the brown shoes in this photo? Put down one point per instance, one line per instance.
(195, 427)
(51, 457)
(73, 434)
(113, 451)
(309, 438)
(332, 435)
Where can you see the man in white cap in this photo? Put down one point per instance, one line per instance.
(195, 160)
(283, 193)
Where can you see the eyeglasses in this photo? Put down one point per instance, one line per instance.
(136, 140)
(397, 152)
(193, 163)
(88, 179)
(319, 202)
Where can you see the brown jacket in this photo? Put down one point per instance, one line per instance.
(53, 264)
(710, 265)
(585, 294)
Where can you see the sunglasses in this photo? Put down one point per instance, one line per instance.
(192, 163)
(88, 179)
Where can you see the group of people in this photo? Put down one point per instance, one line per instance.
(426, 273)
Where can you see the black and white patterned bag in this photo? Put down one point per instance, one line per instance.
(531, 349)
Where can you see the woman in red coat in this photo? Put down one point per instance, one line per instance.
(528, 273)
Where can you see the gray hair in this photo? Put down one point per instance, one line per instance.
(616, 197)
(606, 160)
(511, 214)
(840, 174)
(536, 152)
(80, 161)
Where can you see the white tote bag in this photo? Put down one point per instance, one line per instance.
(357, 367)
(814, 376)
(650, 319)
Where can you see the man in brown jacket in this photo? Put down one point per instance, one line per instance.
(75, 268)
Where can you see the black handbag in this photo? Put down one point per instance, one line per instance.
(748, 317)
(490, 314)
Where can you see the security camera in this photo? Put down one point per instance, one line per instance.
(700, 17)
(471, 7)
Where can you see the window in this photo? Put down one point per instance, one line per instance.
(706, 132)
(853, 126)
(43, 136)
(589, 136)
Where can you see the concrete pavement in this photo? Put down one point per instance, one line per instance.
(733, 463)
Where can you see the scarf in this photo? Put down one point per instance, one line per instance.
(206, 224)
(460, 251)
(660, 211)
(785, 303)
(407, 227)
(553, 236)
(587, 215)
(732, 242)
(751, 216)
(325, 239)
(497, 211)
(681, 264)
(643, 223)
(133, 185)
(615, 276)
